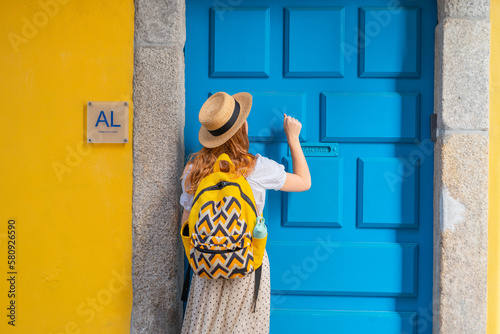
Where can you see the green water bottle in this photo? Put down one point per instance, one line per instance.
(260, 229)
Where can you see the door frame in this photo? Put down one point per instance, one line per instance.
(460, 191)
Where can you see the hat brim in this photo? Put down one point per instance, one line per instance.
(210, 141)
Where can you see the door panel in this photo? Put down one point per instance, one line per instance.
(345, 268)
(313, 52)
(353, 254)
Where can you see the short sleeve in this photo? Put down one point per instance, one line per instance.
(272, 175)
(186, 199)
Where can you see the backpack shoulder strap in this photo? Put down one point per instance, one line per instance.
(258, 272)
(185, 287)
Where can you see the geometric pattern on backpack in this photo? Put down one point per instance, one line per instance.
(222, 242)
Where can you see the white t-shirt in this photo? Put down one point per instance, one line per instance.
(267, 174)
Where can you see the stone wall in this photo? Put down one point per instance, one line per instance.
(158, 146)
(461, 166)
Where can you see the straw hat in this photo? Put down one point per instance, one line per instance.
(221, 116)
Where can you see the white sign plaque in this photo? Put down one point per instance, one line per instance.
(107, 122)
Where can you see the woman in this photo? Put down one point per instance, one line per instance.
(224, 305)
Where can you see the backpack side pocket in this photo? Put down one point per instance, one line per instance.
(259, 247)
(186, 238)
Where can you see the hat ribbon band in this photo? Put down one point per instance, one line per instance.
(229, 123)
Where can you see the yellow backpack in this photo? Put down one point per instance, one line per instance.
(217, 236)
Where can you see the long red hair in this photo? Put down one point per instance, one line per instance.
(203, 161)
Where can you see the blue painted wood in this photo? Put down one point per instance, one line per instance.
(268, 108)
(388, 192)
(239, 42)
(325, 268)
(343, 322)
(371, 100)
(350, 116)
(322, 204)
(391, 40)
(315, 51)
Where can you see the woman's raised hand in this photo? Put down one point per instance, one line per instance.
(291, 126)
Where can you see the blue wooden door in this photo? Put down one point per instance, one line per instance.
(354, 253)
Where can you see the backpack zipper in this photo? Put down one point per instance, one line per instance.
(223, 184)
(218, 251)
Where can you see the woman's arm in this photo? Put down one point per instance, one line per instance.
(300, 180)
(185, 216)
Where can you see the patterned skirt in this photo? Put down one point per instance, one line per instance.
(223, 306)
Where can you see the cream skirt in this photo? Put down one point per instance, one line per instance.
(223, 306)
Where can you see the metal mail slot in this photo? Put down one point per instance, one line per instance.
(318, 150)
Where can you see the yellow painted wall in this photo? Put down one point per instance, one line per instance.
(494, 176)
(71, 201)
